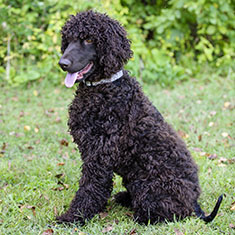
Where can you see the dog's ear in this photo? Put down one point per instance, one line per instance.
(115, 50)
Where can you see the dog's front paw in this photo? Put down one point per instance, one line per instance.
(68, 218)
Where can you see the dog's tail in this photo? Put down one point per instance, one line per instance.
(201, 214)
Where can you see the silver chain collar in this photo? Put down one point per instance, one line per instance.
(113, 78)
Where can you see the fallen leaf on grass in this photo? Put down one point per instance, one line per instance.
(48, 114)
(4, 145)
(197, 149)
(211, 124)
(181, 111)
(222, 160)
(103, 215)
(30, 158)
(209, 171)
(21, 114)
(232, 226)
(33, 208)
(199, 137)
(27, 128)
(224, 134)
(227, 104)
(59, 175)
(107, 229)
(208, 155)
(48, 232)
(177, 232)
(206, 133)
(202, 154)
(232, 206)
(213, 113)
(60, 164)
(212, 156)
(58, 119)
(133, 232)
(35, 93)
(15, 98)
(231, 161)
(65, 185)
(58, 188)
(21, 207)
(221, 165)
(51, 110)
(182, 134)
(64, 142)
(55, 211)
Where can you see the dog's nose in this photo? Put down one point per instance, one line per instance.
(64, 63)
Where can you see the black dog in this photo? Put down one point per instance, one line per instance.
(117, 129)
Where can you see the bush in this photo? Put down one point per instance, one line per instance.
(32, 29)
(167, 36)
(177, 33)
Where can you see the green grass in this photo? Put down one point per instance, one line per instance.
(33, 123)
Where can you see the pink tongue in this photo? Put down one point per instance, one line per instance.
(70, 79)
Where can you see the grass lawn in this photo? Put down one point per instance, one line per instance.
(40, 166)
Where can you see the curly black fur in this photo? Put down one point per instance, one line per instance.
(117, 129)
(110, 39)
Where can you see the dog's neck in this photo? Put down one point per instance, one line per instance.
(113, 78)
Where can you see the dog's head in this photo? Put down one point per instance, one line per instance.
(93, 44)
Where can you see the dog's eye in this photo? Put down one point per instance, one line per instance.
(88, 41)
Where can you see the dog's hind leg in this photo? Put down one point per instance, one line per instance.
(153, 204)
(153, 210)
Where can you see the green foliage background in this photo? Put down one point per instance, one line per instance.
(171, 39)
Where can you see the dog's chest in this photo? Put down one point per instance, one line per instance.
(95, 118)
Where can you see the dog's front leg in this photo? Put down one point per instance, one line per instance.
(91, 198)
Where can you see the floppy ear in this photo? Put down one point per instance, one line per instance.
(114, 50)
